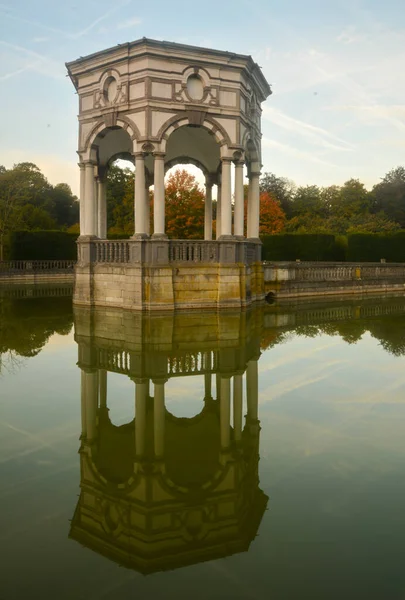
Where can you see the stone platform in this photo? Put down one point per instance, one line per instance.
(161, 274)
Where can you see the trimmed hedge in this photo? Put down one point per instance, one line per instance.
(42, 245)
(359, 247)
(292, 246)
(372, 247)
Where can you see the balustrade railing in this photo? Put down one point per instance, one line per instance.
(193, 251)
(36, 266)
(112, 251)
(318, 272)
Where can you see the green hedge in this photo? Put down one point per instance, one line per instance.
(42, 245)
(372, 247)
(291, 246)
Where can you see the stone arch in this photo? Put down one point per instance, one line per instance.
(196, 119)
(101, 129)
(185, 160)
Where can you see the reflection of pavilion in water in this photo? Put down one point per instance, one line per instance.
(163, 492)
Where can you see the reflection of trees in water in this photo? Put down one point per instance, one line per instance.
(27, 324)
(388, 330)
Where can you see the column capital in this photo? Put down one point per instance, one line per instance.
(210, 179)
(90, 163)
(254, 174)
(239, 162)
(226, 160)
(139, 379)
(159, 380)
(159, 155)
(81, 165)
(140, 154)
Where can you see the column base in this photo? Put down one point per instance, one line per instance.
(140, 236)
(159, 236)
(87, 238)
(226, 238)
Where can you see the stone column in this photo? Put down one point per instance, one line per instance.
(226, 198)
(90, 227)
(91, 391)
(159, 414)
(208, 209)
(237, 406)
(102, 376)
(159, 196)
(218, 386)
(82, 198)
(252, 389)
(254, 206)
(207, 376)
(141, 389)
(239, 200)
(225, 412)
(139, 203)
(83, 391)
(219, 211)
(102, 207)
(147, 209)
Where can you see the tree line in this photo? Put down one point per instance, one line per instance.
(29, 202)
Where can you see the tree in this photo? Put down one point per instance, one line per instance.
(120, 199)
(272, 216)
(64, 205)
(33, 217)
(23, 184)
(309, 199)
(354, 199)
(184, 206)
(279, 188)
(389, 195)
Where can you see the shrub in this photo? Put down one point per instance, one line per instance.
(372, 247)
(42, 245)
(312, 247)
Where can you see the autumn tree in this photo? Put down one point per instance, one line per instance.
(272, 216)
(184, 206)
(279, 188)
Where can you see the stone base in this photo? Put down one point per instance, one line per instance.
(169, 287)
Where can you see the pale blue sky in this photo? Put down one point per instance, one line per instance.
(336, 68)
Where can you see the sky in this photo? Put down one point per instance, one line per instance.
(336, 70)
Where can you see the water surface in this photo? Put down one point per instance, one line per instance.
(294, 489)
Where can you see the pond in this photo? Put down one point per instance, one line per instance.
(249, 455)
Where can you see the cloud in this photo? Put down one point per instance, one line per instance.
(317, 135)
(33, 61)
(39, 40)
(70, 35)
(309, 156)
(350, 35)
(129, 23)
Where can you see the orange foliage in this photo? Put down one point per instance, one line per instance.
(272, 216)
(184, 206)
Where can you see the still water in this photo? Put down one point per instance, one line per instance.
(246, 456)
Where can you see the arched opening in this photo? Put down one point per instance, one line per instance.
(107, 180)
(191, 201)
(120, 181)
(184, 201)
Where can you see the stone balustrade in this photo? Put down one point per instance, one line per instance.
(193, 251)
(37, 271)
(164, 251)
(290, 279)
(112, 251)
(38, 266)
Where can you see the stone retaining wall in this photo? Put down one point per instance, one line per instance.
(300, 279)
